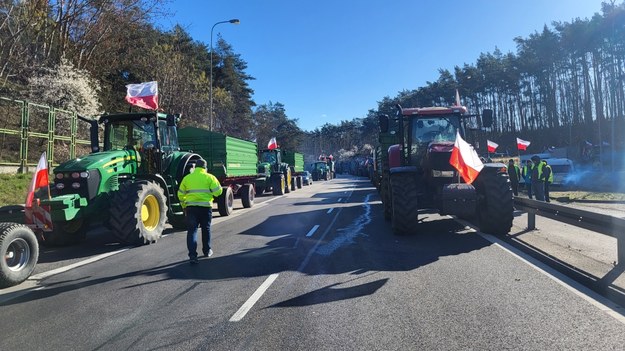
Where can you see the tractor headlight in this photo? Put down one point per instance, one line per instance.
(84, 174)
(442, 174)
(59, 176)
(75, 185)
(75, 175)
(60, 186)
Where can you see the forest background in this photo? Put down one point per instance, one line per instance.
(563, 87)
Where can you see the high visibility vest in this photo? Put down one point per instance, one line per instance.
(539, 167)
(198, 189)
(527, 172)
(550, 180)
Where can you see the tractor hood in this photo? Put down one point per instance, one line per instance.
(101, 160)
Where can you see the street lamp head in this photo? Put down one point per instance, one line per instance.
(235, 21)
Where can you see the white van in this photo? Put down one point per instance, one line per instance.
(562, 168)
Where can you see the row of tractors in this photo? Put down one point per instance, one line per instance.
(412, 170)
(129, 184)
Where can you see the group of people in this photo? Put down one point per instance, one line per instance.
(537, 175)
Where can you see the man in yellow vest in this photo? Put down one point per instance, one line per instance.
(538, 182)
(548, 178)
(514, 174)
(196, 193)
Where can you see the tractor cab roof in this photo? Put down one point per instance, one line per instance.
(429, 111)
(130, 116)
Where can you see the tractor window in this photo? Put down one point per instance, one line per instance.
(437, 129)
(168, 136)
(130, 134)
(268, 157)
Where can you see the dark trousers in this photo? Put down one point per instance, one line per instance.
(528, 185)
(547, 184)
(515, 187)
(538, 188)
(202, 217)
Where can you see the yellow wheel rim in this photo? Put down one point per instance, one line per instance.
(150, 212)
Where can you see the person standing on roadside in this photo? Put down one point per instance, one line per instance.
(548, 176)
(527, 176)
(538, 182)
(514, 173)
(196, 193)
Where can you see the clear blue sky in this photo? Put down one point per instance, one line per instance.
(333, 60)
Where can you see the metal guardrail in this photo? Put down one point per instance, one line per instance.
(596, 222)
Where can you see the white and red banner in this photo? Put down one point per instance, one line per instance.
(35, 214)
(465, 160)
(492, 146)
(522, 144)
(144, 95)
(273, 144)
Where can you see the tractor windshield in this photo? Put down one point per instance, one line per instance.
(268, 156)
(435, 129)
(129, 135)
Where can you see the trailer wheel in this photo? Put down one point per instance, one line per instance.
(247, 195)
(495, 203)
(18, 253)
(225, 201)
(277, 183)
(404, 203)
(299, 182)
(65, 233)
(138, 212)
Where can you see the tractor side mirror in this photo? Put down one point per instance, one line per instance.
(487, 118)
(172, 120)
(383, 122)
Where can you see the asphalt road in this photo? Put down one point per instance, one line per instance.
(316, 269)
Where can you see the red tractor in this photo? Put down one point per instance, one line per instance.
(418, 174)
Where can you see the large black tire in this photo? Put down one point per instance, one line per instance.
(385, 194)
(19, 252)
(495, 203)
(138, 212)
(247, 195)
(65, 233)
(299, 182)
(277, 182)
(404, 208)
(225, 201)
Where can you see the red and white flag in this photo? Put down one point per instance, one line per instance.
(492, 146)
(522, 144)
(273, 144)
(144, 95)
(465, 160)
(35, 214)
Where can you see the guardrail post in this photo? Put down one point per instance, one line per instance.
(620, 248)
(531, 220)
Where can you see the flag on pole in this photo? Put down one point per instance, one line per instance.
(35, 214)
(273, 144)
(457, 98)
(465, 160)
(492, 146)
(522, 144)
(144, 95)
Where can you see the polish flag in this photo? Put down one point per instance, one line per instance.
(522, 144)
(492, 146)
(465, 160)
(144, 95)
(273, 144)
(39, 216)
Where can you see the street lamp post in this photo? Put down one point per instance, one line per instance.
(210, 107)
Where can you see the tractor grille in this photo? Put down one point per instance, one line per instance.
(439, 161)
(85, 187)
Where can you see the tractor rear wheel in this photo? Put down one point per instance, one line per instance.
(277, 182)
(495, 203)
(18, 253)
(386, 198)
(404, 209)
(138, 212)
(247, 195)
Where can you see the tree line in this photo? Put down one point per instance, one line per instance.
(564, 85)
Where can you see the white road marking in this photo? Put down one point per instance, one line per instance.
(313, 230)
(47, 274)
(330, 210)
(339, 200)
(595, 299)
(247, 306)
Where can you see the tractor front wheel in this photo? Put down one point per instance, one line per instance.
(404, 209)
(138, 212)
(495, 203)
(66, 233)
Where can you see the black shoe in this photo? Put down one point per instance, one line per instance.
(194, 260)
(209, 253)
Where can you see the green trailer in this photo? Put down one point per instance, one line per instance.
(296, 163)
(232, 160)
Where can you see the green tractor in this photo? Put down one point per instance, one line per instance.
(273, 173)
(130, 186)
